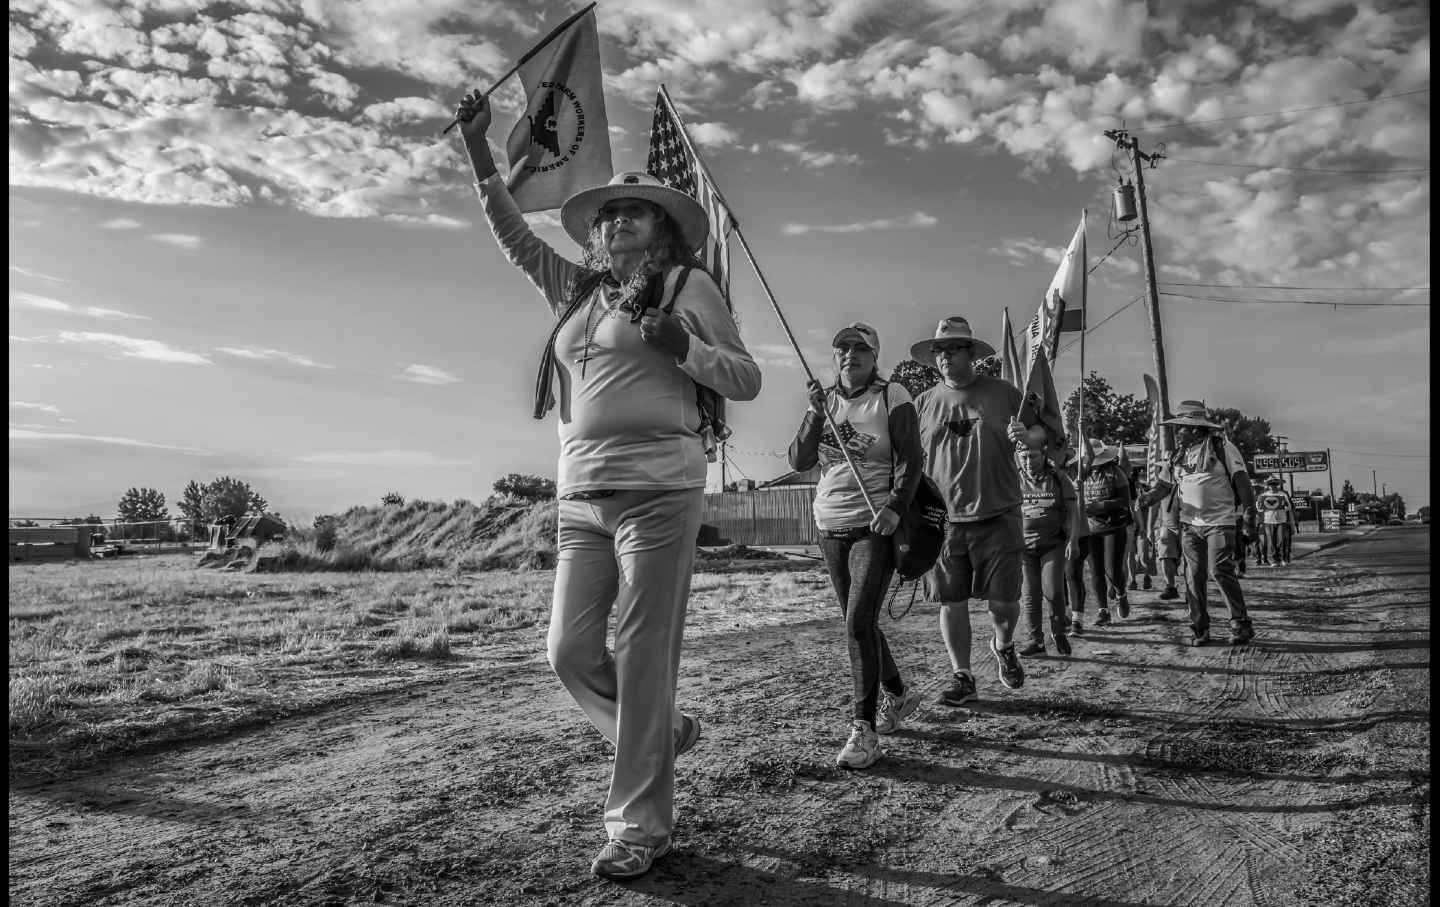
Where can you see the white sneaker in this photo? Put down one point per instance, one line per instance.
(862, 750)
(892, 712)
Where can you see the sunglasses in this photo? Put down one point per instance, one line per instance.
(843, 348)
(950, 349)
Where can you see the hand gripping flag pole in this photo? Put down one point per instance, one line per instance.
(784, 324)
(554, 33)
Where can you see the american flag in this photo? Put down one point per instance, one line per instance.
(674, 163)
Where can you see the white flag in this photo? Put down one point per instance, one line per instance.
(1063, 306)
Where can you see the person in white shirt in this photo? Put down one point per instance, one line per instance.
(1277, 520)
(1209, 478)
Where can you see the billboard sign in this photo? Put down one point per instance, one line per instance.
(1297, 461)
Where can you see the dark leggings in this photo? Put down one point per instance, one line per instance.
(861, 564)
(1105, 552)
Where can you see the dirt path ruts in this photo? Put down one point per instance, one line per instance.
(1138, 771)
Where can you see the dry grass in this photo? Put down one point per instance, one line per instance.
(107, 656)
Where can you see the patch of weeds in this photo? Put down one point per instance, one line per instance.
(37, 701)
(410, 644)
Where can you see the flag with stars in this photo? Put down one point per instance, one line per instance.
(674, 161)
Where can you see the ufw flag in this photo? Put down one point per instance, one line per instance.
(1063, 307)
(674, 161)
(1044, 402)
(562, 143)
(1154, 437)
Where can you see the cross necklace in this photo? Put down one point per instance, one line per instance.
(608, 307)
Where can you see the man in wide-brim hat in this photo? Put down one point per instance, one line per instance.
(1211, 481)
(969, 426)
(643, 339)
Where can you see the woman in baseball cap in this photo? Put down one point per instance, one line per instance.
(875, 460)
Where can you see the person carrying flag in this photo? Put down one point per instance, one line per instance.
(638, 321)
(879, 432)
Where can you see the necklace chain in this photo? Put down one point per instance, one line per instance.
(609, 308)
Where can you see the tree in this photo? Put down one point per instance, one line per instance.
(990, 365)
(141, 505)
(392, 499)
(1347, 493)
(1250, 434)
(915, 377)
(526, 487)
(1115, 418)
(219, 499)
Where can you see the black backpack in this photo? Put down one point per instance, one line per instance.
(921, 532)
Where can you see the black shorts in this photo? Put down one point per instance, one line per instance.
(979, 560)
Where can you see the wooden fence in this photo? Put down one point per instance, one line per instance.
(768, 516)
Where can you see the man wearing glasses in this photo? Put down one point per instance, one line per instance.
(969, 427)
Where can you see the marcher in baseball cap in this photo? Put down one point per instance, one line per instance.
(858, 332)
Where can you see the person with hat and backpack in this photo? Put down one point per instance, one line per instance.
(969, 426)
(878, 450)
(643, 346)
(1277, 515)
(1208, 477)
(1053, 527)
(1108, 501)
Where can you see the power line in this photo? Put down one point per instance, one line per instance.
(1272, 113)
(1376, 453)
(1325, 302)
(1188, 160)
(1088, 331)
(1117, 245)
(1264, 286)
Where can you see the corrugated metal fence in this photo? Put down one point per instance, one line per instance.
(768, 516)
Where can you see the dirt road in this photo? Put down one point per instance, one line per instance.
(1294, 770)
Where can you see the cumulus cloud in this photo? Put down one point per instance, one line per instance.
(815, 158)
(47, 304)
(917, 220)
(710, 136)
(427, 374)
(121, 223)
(256, 354)
(134, 347)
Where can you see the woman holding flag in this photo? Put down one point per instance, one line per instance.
(642, 333)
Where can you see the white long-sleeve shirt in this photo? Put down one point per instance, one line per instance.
(629, 418)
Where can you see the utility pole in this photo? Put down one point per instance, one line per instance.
(1373, 490)
(723, 487)
(1126, 142)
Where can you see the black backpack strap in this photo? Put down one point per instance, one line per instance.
(585, 285)
(683, 276)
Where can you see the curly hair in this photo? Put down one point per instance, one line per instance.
(668, 249)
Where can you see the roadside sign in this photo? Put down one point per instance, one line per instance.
(1297, 461)
(1330, 519)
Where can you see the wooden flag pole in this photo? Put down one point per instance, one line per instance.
(554, 33)
(784, 324)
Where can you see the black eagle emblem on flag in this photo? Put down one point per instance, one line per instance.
(543, 126)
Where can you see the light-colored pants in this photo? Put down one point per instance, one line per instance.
(632, 552)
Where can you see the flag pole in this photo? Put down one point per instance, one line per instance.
(784, 324)
(554, 33)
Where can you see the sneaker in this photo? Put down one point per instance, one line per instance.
(1202, 640)
(1007, 665)
(1076, 627)
(1241, 636)
(893, 711)
(1102, 617)
(1122, 605)
(862, 750)
(1035, 648)
(1170, 594)
(625, 860)
(960, 691)
(1062, 644)
(688, 735)
(1145, 582)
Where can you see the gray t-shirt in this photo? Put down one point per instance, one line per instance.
(968, 451)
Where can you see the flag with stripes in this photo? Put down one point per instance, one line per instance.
(674, 161)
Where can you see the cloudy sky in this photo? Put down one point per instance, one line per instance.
(237, 246)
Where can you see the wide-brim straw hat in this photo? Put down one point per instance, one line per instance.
(578, 213)
(1191, 413)
(1102, 453)
(953, 329)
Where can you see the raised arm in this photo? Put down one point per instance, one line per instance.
(551, 273)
